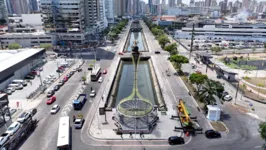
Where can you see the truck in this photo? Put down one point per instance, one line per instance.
(14, 140)
(79, 102)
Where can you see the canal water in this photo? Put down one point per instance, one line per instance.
(135, 36)
(145, 85)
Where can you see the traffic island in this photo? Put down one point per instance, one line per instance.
(219, 126)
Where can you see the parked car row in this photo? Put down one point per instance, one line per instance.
(16, 84)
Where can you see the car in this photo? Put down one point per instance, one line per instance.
(11, 111)
(24, 116)
(51, 100)
(228, 97)
(79, 69)
(3, 138)
(105, 71)
(56, 88)
(49, 78)
(120, 53)
(175, 140)
(65, 79)
(219, 76)
(33, 111)
(7, 91)
(225, 93)
(71, 73)
(78, 123)
(59, 70)
(68, 75)
(50, 93)
(212, 134)
(100, 80)
(93, 93)
(157, 52)
(90, 68)
(40, 68)
(12, 89)
(34, 72)
(29, 77)
(55, 109)
(47, 81)
(52, 76)
(13, 128)
(61, 83)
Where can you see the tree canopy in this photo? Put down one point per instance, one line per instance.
(171, 48)
(262, 130)
(14, 46)
(178, 60)
(216, 49)
(163, 40)
(198, 79)
(46, 46)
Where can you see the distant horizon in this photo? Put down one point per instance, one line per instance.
(187, 1)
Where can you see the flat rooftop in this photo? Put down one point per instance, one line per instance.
(9, 58)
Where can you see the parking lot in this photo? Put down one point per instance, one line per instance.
(49, 68)
(224, 44)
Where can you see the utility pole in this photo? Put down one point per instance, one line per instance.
(191, 46)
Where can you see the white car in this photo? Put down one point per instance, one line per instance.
(52, 76)
(23, 117)
(3, 138)
(46, 81)
(13, 128)
(78, 123)
(100, 80)
(228, 97)
(55, 109)
(12, 89)
(93, 93)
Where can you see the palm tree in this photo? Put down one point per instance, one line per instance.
(208, 92)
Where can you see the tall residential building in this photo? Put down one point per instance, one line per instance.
(109, 10)
(237, 5)
(224, 6)
(121, 7)
(245, 4)
(94, 17)
(33, 4)
(18, 6)
(207, 3)
(64, 20)
(213, 3)
(171, 3)
(179, 2)
(3, 12)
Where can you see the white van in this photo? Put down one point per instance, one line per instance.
(16, 86)
(16, 81)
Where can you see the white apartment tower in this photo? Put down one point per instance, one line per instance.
(3, 12)
(65, 20)
(109, 11)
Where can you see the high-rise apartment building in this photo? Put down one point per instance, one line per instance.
(64, 20)
(171, 3)
(94, 17)
(109, 11)
(207, 3)
(179, 2)
(121, 7)
(213, 3)
(18, 6)
(3, 12)
(245, 4)
(33, 4)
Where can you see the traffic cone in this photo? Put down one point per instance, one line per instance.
(187, 133)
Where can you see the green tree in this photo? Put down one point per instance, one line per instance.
(113, 36)
(163, 40)
(14, 46)
(208, 92)
(171, 48)
(198, 79)
(46, 46)
(216, 49)
(264, 45)
(178, 60)
(262, 130)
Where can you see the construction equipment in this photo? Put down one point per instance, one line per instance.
(183, 113)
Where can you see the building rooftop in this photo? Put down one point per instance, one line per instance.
(32, 33)
(9, 58)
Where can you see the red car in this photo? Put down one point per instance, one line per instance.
(51, 100)
(65, 79)
(104, 71)
(34, 72)
(120, 53)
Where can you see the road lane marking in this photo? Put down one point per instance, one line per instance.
(257, 146)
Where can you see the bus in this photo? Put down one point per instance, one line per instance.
(95, 74)
(63, 140)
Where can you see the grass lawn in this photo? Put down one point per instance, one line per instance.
(234, 65)
(256, 81)
(253, 95)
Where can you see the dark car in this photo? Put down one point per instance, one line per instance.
(175, 140)
(68, 75)
(60, 70)
(56, 88)
(50, 93)
(90, 68)
(212, 134)
(157, 52)
(33, 111)
(71, 72)
(29, 77)
(79, 69)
